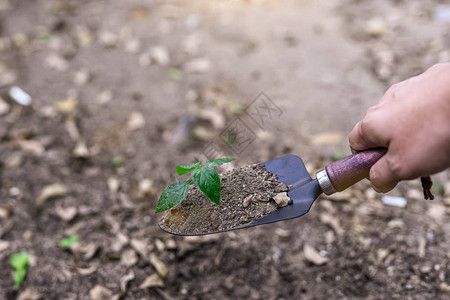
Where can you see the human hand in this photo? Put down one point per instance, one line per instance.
(411, 120)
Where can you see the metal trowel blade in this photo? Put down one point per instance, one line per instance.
(303, 191)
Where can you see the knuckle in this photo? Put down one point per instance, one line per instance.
(366, 127)
(398, 169)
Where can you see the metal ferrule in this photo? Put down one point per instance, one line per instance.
(324, 182)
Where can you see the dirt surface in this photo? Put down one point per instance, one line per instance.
(247, 195)
(122, 91)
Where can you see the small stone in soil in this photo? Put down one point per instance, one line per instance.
(247, 194)
(282, 199)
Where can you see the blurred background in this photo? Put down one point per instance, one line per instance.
(101, 99)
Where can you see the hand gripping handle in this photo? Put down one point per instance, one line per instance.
(341, 174)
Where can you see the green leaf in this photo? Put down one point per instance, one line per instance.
(208, 181)
(65, 243)
(218, 162)
(175, 74)
(172, 195)
(19, 276)
(183, 169)
(117, 161)
(19, 262)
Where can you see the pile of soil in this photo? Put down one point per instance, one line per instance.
(247, 195)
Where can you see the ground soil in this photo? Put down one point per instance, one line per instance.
(136, 87)
(196, 214)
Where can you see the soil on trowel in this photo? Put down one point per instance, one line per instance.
(248, 193)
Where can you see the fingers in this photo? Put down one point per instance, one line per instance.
(371, 132)
(382, 177)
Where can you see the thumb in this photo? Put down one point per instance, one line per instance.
(381, 176)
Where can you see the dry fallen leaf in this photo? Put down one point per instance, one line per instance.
(4, 212)
(332, 221)
(120, 241)
(67, 105)
(99, 292)
(313, 256)
(421, 251)
(29, 294)
(90, 250)
(104, 97)
(140, 246)
(136, 121)
(200, 65)
(4, 107)
(83, 35)
(128, 258)
(160, 55)
(146, 188)
(382, 253)
(51, 191)
(87, 271)
(124, 282)
(213, 115)
(152, 281)
(7, 76)
(33, 147)
(72, 128)
(80, 150)
(4, 245)
(159, 265)
(436, 212)
(56, 62)
(67, 213)
(113, 186)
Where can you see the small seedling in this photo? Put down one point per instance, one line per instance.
(117, 161)
(175, 74)
(205, 177)
(19, 262)
(67, 242)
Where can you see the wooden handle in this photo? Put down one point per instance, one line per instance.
(348, 171)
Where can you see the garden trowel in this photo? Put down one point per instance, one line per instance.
(303, 190)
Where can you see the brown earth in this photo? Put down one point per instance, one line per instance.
(253, 185)
(125, 90)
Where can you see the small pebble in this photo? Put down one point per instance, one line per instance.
(14, 191)
(247, 201)
(20, 96)
(4, 107)
(243, 219)
(282, 199)
(444, 288)
(394, 201)
(262, 199)
(160, 55)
